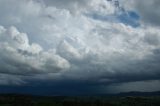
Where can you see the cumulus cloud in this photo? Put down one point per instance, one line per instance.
(62, 40)
(19, 57)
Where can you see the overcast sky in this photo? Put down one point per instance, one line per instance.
(67, 47)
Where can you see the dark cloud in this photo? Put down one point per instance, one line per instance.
(148, 11)
(149, 15)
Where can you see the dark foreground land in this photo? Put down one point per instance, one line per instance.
(27, 100)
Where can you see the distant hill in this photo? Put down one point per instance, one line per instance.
(134, 93)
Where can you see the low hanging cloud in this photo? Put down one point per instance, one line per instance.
(43, 40)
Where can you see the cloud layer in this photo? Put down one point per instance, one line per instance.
(76, 40)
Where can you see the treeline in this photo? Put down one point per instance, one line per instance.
(23, 100)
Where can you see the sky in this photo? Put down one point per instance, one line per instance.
(79, 47)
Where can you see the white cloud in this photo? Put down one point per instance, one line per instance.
(66, 50)
(78, 6)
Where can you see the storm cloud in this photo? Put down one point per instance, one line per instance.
(61, 42)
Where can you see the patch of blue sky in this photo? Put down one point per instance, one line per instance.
(129, 18)
(126, 17)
